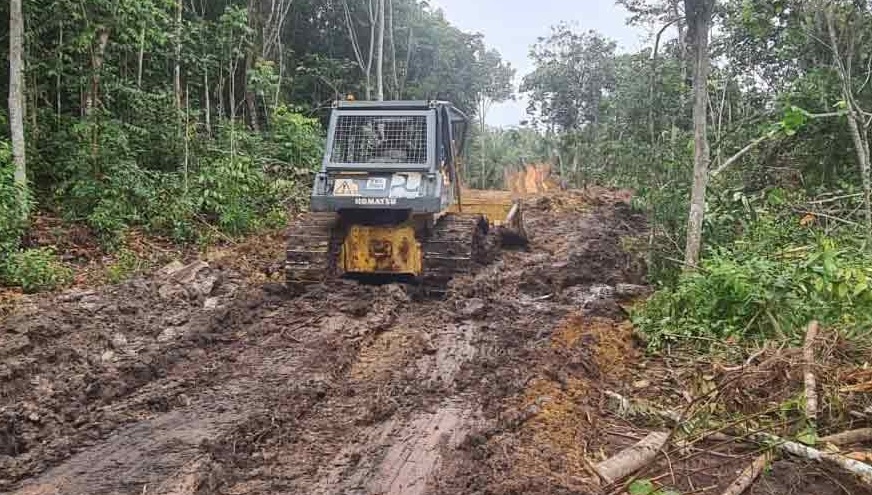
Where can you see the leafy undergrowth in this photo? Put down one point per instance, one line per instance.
(769, 272)
(59, 255)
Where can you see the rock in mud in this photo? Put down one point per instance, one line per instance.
(472, 308)
(92, 303)
(169, 334)
(212, 303)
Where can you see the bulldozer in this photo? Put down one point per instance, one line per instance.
(388, 200)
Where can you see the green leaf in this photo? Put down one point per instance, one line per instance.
(808, 436)
(642, 487)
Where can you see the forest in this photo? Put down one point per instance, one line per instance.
(683, 307)
(742, 128)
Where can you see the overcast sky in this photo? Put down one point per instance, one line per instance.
(512, 26)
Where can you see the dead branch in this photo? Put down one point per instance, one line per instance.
(749, 475)
(862, 471)
(849, 437)
(811, 398)
(630, 460)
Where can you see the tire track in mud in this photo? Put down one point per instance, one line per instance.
(347, 389)
(147, 455)
(167, 452)
(400, 456)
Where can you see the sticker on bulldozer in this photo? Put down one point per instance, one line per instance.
(345, 187)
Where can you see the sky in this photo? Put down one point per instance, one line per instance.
(513, 26)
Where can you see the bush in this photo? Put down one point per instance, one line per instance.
(743, 295)
(35, 270)
(299, 141)
(126, 264)
(11, 214)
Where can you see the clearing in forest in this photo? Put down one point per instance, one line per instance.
(197, 380)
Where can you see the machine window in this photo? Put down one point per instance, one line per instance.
(377, 139)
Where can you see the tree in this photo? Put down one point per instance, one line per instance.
(363, 59)
(380, 63)
(495, 86)
(572, 75)
(16, 98)
(699, 15)
(858, 123)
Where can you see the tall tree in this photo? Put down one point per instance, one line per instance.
(496, 85)
(699, 16)
(380, 64)
(843, 62)
(363, 59)
(16, 97)
(177, 67)
(572, 76)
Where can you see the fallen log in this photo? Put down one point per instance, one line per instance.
(862, 471)
(628, 461)
(811, 398)
(749, 475)
(849, 437)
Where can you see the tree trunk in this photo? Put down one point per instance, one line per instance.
(682, 23)
(250, 55)
(250, 97)
(699, 18)
(177, 70)
(365, 63)
(16, 99)
(861, 146)
(380, 62)
(231, 76)
(396, 76)
(208, 108)
(653, 82)
(60, 70)
(410, 46)
(96, 66)
(630, 460)
(141, 59)
(855, 119)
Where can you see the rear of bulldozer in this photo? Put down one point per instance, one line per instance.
(387, 201)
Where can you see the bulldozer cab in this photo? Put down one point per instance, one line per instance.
(402, 156)
(397, 155)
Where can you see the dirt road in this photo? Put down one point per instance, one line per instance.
(195, 381)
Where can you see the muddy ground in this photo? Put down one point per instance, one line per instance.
(197, 380)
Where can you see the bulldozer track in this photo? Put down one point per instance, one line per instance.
(457, 244)
(312, 249)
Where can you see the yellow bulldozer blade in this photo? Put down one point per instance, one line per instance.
(501, 208)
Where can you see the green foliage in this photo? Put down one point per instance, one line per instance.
(126, 264)
(35, 270)
(490, 154)
(647, 487)
(299, 142)
(769, 282)
(573, 73)
(229, 193)
(11, 224)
